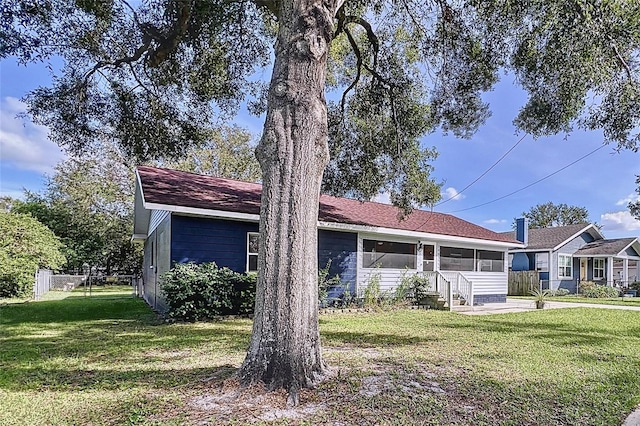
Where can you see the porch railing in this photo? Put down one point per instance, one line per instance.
(461, 286)
(450, 285)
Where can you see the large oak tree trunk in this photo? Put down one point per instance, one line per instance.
(293, 153)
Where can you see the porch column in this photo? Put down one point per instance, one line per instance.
(625, 272)
(420, 260)
(610, 276)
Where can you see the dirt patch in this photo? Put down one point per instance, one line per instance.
(250, 405)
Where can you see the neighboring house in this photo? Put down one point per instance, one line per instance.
(184, 217)
(566, 255)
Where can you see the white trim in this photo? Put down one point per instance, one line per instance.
(138, 237)
(246, 269)
(204, 212)
(413, 234)
(561, 277)
(603, 269)
(334, 226)
(577, 234)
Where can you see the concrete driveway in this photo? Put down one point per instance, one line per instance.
(520, 305)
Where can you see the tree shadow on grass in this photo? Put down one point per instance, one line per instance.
(75, 310)
(366, 340)
(107, 380)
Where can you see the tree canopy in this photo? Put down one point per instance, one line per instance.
(156, 77)
(25, 246)
(549, 214)
(634, 207)
(88, 204)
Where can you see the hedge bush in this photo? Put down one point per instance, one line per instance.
(597, 291)
(25, 246)
(203, 291)
(558, 292)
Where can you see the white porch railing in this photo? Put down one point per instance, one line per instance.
(450, 285)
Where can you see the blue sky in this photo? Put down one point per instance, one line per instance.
(603, 182)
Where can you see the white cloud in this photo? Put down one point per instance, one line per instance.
(452, 194)
(383, 198)
(495, 221)
(619, 221)
(24, 144)
(631, 198)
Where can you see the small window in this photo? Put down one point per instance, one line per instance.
(542, 262)
(253, 238)
(598, 269)
(388, 254)
(490, 261)
(564, 266)
(456, 259)
(428, 263)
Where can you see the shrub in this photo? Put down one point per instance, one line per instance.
(635, 285)
(372, 291)
(25, 246)
(325, 283)
(203, 291)
(558, 292)
(597, 291)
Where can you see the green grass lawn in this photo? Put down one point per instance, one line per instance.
(92, 361)
(622, 301)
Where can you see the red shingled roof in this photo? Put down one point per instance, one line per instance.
(175, 188)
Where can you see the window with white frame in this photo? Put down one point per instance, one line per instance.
(456, 259)
(542, 262)
(388, 254)
(490, 261)
(428, 263)
(598, 269)
(565, 269)
(252, 251)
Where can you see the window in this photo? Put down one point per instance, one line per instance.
(252, 251)
(490, 261)
(427, 258)
(542, 262)
(598, 269)
(564, 266)
(456, 259)
(387, 254)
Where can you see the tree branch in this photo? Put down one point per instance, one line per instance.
(624, 63)
(356, 51)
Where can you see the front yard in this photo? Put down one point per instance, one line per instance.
(110, 361)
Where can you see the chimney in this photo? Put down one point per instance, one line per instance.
(522, 230)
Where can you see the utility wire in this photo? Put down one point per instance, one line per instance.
(534, 183)
(483, 174)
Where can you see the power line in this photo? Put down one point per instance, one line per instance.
(483, 174)
(534, 183)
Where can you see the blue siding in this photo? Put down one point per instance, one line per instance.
(196, 239)
(342, 249)
(522, 262)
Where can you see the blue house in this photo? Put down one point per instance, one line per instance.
(566, 255)
(185, 217)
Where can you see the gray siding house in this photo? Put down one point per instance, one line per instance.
(566, 255)
(184, 217)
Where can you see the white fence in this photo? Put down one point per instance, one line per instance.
(42, 284)
(45, 281)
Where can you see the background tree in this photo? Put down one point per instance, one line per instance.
(548, 215)
(25, 246)
(155, 77)
(634, 207)
(228, 153)
(88, 204)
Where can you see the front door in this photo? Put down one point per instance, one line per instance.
(583, 269)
